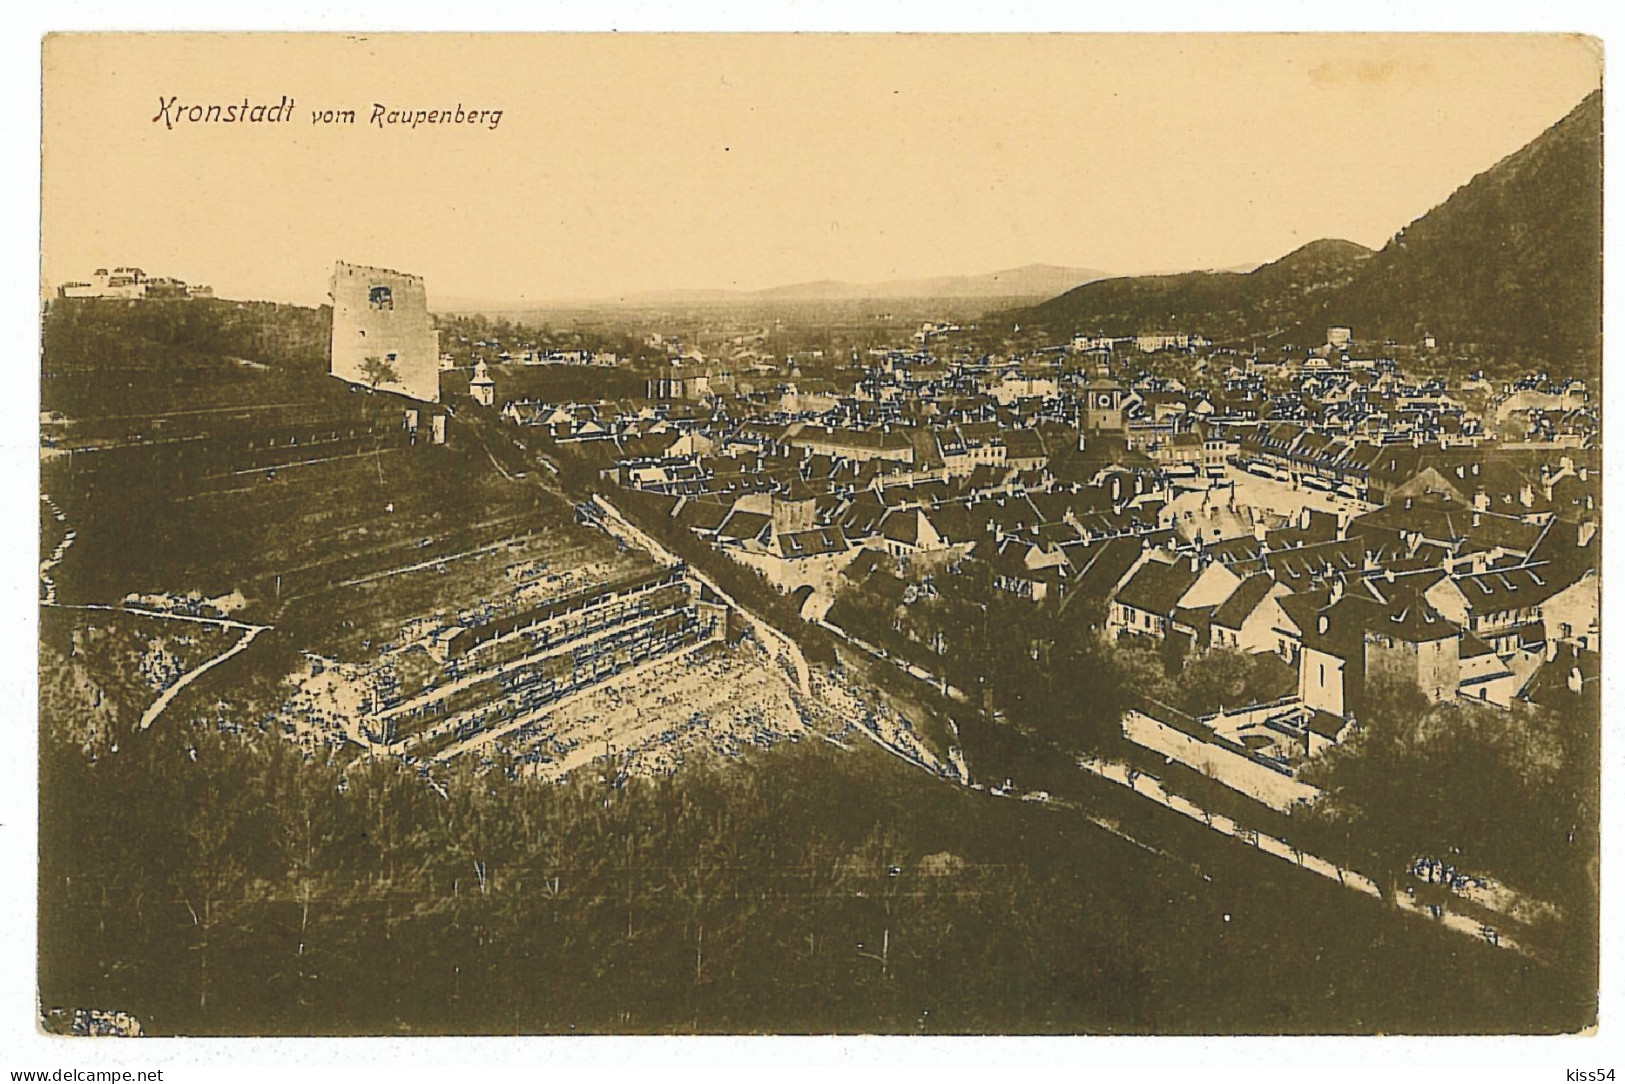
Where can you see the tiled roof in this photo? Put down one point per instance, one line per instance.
(1243, 601)
(817, 542)
(1157, 587)
(742, 526)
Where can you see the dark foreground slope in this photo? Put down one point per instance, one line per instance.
(1509, 267)
(804, 889)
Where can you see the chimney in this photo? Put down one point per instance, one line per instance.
(1588, 530)
(1196, 562)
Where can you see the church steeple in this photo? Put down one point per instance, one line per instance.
(1103, 402)
(482, 387)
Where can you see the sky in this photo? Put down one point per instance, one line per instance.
(628, 163)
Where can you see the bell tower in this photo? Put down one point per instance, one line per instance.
(1103, 403)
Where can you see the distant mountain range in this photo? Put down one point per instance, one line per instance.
(1033, 281)
(1510, 266)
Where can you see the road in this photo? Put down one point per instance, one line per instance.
(941, 685)
(1150, 787)
(158, 706)
(1282, 498)
(223, 622)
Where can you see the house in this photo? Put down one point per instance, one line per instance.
(1505, 605)
(1162, 598)
(1024, 450)
(1331, 662)
(750, 531)
(1569, 677)
(1355, 639)
(1247, 620)
(1198, 514)
(860, 445)
(905, 532)
(1572, 615)
(1100, 569)
(1415, 644)
(1484, 676)
(1014, 571)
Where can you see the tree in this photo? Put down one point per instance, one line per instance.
(1089, 683)
(1484, 788)
(1230, 679)
(379, 371)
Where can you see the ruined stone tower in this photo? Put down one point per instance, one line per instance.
(382, 334)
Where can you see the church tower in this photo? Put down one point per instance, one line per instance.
(482, 387)
(1103, 403)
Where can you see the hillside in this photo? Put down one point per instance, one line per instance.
(112, 357)
(1220, 304)
(806, 890)
(1509, 267)
(1512, 261)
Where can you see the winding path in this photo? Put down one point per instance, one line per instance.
(57, 554)
(157, 707)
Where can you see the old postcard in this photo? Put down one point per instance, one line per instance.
(835, 534)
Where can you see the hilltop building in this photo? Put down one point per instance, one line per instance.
(382, 335)
(133, 284)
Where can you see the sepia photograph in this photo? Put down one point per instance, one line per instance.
(732, 534)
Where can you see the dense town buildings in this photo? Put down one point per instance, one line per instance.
(1357, 521)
